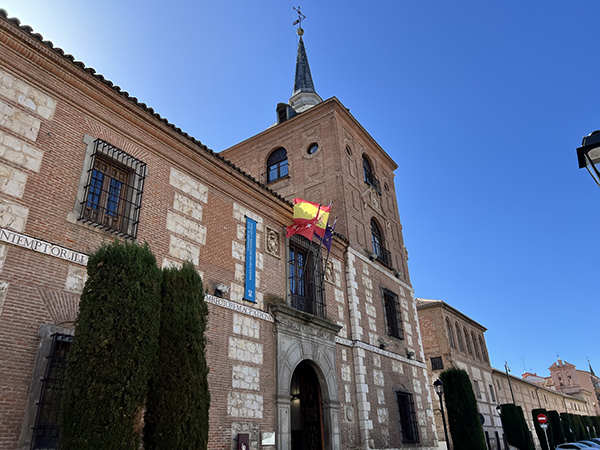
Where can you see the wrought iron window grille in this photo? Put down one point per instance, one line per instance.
(46, 428)
(113, 191)
(409, 426)
(306, 277)
(393, 314)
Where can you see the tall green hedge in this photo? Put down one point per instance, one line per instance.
(567, 426)
(596, 424)
(556, 426)
(114, 351)
(578, 428)
(587, 426)
(515, 427)
(540, 432)
(463, 416)
(177, 414)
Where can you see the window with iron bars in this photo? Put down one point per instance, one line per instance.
(381, 252)
(393, 315)
(368, 175)
(45, 430)
(306, 276)
(409, 427)
(113, 190)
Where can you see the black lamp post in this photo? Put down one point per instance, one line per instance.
(499, 409)
(439, 390)
(588, 155)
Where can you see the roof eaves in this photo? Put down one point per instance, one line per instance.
(27, 29)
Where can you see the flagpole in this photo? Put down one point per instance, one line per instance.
(329, 248)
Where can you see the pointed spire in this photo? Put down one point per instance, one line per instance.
(304, 95)
(591, 370)
(303, 80)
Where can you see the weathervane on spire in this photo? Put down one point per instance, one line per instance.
(298, 22)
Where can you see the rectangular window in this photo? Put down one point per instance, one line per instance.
(111, 190)
(306, 277)
(437, 363)
(45, 430)
(477, 390)
(408, 418)
(393, 315)
(492, 393)
(498, 383)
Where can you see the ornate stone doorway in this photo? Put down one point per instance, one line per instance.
(306, 409)
(306, 375)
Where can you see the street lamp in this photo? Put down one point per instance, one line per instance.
(439, 390)
(588, 155)
(499, 409)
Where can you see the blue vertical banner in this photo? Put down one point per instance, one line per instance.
(250, 285)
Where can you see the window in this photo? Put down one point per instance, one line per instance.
(545, 399)
(533, 395)
(408, 417)
(378, 242)
(277, 165)
(469, 349)
(475, 346)
(459, 338)
(368, 175)
(483, 350)
(45, 430)
(477, 389)
(437, 363)
(306, 277)
(312, 148)
(492, 393)
(110, 188)
(450, 335)
(393, 316)
(498, 384)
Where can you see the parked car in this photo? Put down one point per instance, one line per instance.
(590, 443)
(573, 446)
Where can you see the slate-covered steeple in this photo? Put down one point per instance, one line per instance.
(304, 95)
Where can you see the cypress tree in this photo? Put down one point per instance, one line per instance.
(578, 429)
(463, 416)
(515, 427)
(114, 350)
(177, 414)
(587, 426)
(540, 432)
(556, 427)
(567, 425)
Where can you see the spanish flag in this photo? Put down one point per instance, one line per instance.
(309, 218)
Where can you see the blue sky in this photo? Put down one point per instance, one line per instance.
(481, 103)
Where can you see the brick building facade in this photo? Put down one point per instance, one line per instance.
(82, 162)
(453, 339)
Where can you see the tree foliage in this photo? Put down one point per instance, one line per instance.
(114, 351)
(515, 427)
(463, 417)
(567, 426)
(556, 426)
(177, 414)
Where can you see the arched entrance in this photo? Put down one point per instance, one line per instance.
(306, 409)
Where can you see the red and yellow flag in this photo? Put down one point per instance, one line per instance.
(309, 218)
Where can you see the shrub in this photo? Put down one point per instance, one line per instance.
(556, 426)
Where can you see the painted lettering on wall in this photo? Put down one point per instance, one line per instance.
(38, 245)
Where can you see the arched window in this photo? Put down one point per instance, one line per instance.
(469, 349)
(368, 174)
(378, 242)
(483, 350)
(277, 165)
(450, 334)
(477, 354)
(459, 337)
